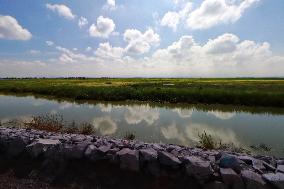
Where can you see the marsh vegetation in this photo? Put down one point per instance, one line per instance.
(249, 92)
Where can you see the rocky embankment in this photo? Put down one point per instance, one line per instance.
(102, 162)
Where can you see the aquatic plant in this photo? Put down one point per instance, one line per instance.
(232, 147)
(47, 122)
(86, 128)
(261, 147)
(129, 136)
(206, 141)
(71, 128)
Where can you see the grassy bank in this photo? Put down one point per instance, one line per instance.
(249, 92)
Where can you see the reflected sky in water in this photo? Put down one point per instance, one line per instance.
(150, 123)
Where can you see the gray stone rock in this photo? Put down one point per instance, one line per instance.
(96, 153)
(276, 179)
(148, 155)
(258, 165)
(231, 178)
(280, 162)
(229, 161)
(104, 149)
(198, 168)
(211, 159)
(253, 180)
(40, 146)
(78, 138)
(247, 159)
(280, 168)
(269, 167)
(168, 159)
(111, 155)
(157, 147)
(129, 159)
(74, 151)
(89, 150)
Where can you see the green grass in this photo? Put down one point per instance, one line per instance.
(248, 91)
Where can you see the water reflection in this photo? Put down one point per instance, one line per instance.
(172, 132)
(170, 123)
(66, 105)
(184, 113)
(105, 107)
(105, 125)
(226, 136)
(222, 115)
(136, 114)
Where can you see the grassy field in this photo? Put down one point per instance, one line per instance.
(249, 92)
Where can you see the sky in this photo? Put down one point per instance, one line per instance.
(134, 38)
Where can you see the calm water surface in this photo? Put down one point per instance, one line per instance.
(151, 123)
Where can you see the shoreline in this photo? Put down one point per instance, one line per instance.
(47, 153)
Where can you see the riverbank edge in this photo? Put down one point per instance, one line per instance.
(49, 152)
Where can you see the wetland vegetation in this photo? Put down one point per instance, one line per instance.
(239, 91)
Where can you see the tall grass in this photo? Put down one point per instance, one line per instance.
(55, 123)
(129, 136)
(208, 142)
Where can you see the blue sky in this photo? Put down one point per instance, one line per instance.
(163, 38)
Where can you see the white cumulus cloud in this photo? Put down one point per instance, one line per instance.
(210, 13)
(12, 30)
(82, 22)
(106, 51)
(103, 28)
(172, 18)
(138, 42)
(109, 5)
(215, 12)
(61, 10)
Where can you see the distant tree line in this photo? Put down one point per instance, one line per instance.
(26, 78)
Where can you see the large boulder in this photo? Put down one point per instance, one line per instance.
(198, 168)
(231, 178)
(230, 161)
(129, 159)
(75, 151)
(97, 153)
(148, 155)
(149, 158)
(253, 180)
(258, 166)
(40, 146)
(280, 168)
(168, 159)
(277, 179)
